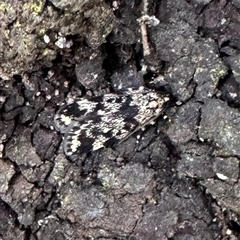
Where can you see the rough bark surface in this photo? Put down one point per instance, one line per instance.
(180, 180)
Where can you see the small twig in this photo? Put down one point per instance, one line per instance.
(146, 48)
(143, 21)
(143, 27)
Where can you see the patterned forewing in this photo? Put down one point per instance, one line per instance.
(103, 121)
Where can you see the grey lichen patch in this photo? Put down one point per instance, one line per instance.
(25, 191)
(89, 72)
(196, 66)
(226, 169)
(184, 123)
(82, 204)
(132, 178)
(25, 23)
(57, 176)
(7, 171)
(93, 20)
(21, 151)
(22, 197)
(225, 194)
(220, 125)
(20, 42)
(195, 161)
(208, 69)
(181, 77)
(94, 209)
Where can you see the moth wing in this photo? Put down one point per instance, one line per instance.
(74, 111)
(103, 121)
(84, 108)
(86, 136)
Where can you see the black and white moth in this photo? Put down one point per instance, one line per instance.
(91, 124)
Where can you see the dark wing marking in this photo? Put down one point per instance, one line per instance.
(102, 121)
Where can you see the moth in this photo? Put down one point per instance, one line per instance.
(101, 121)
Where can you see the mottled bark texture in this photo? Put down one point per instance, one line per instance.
(25, 23)
(179, 178)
